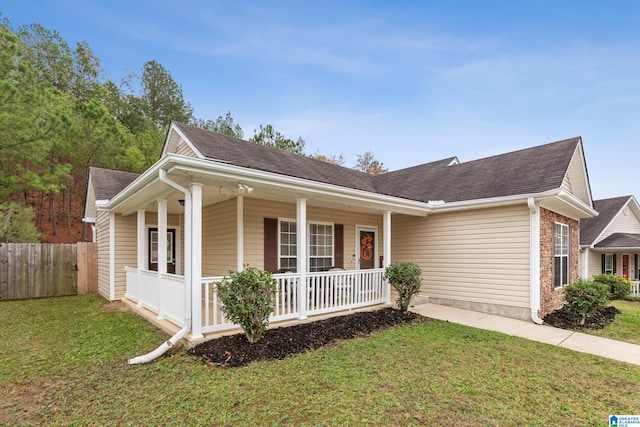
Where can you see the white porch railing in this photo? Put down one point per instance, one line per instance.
(327, 292)
(162, 294)
(343, 290)
(635, 288)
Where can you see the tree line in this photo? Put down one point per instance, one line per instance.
(60, 114)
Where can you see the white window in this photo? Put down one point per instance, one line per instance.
(320, 246)
(608, 264)
(561, 254)
(288, 250)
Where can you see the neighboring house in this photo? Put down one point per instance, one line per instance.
(497, 235)
(610, 242)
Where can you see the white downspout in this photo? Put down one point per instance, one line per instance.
(534, 260)
(162, 349)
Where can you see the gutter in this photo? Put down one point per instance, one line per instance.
(534, 260)
(162, 349)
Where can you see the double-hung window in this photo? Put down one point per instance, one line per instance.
(319, 242)
(561, 254)
(608, 264)
(288, 249)
(320, 247)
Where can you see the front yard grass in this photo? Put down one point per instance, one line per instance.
(63, 362)
(626, 325)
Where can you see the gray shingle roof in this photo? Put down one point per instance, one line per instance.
(620, 240)
(107, 183)
(528, 171)
(590, 228)
(255, 156)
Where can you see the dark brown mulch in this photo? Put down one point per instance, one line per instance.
(278, 343)
(561, 319)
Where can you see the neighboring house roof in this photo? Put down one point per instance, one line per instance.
(107, 183)
(528, 171)
(620, 240)
(592, 228)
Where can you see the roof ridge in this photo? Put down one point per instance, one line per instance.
(575, 139)
(271, 148)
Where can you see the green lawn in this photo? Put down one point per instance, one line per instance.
(63, 362)
(626, 326)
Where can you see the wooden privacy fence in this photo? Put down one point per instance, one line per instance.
(32, 270)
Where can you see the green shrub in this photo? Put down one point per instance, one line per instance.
(406, 278)
(247, 300)
(585, 298)
(619, 287)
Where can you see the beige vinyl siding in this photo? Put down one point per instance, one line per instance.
(622, 223)
(574, 181)
(125, 250)
(566, 183)
(478, 255)
(219, 241)
(594, 263)
(184, 150)
(174, 140)
(255, 210)
(102, 240)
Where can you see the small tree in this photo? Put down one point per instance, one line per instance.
(406, 278)
(17, 224)
(584, 299)
(247, 300)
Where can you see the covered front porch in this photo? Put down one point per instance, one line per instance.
(327, 247)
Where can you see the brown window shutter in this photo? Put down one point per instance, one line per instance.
(271, 245)
(338, 245)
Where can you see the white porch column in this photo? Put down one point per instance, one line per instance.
(240, 233)
(140, 242)
(162, 236)
(196, 259)
(301, 243)
(141, 238)
(386, 251)
(584, 263)
(162, 249)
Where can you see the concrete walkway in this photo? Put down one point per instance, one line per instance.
(577, 341)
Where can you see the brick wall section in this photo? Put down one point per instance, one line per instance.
(550, 298)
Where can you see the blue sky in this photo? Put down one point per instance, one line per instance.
(411, 81)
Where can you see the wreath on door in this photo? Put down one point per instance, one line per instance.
(366, 247)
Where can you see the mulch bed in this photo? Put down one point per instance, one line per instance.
(561, 319)
(278, 343)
